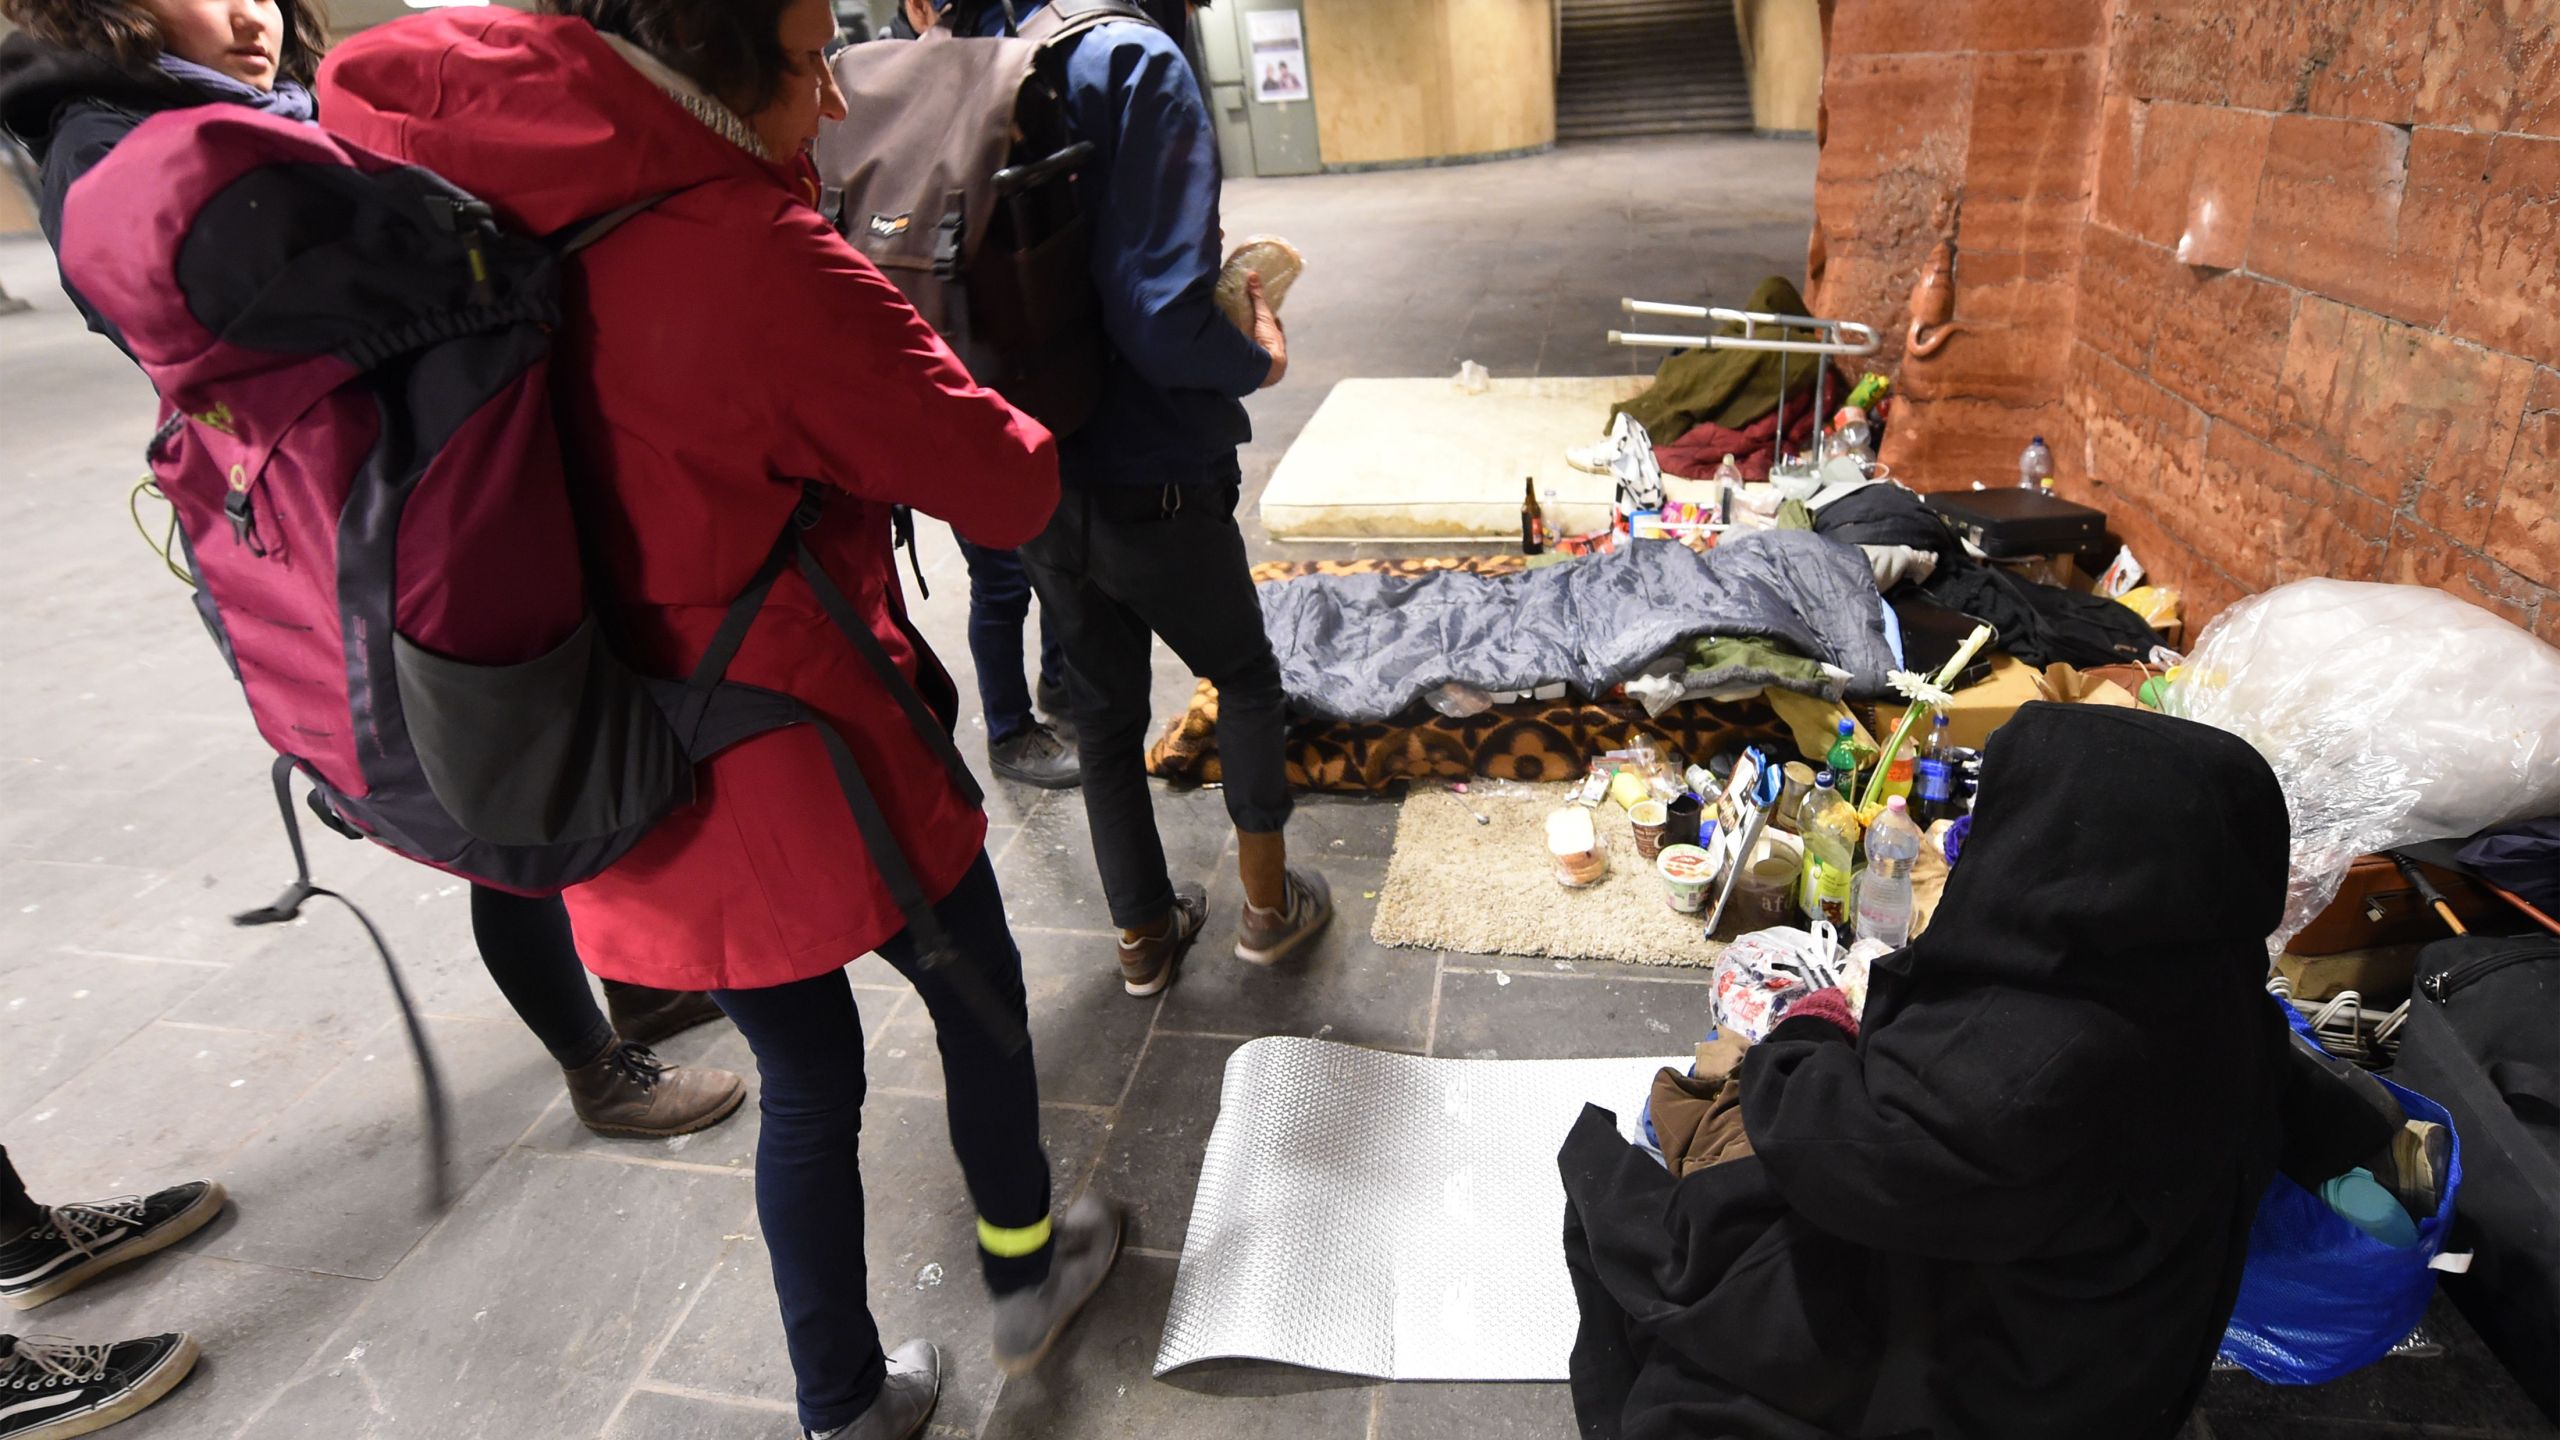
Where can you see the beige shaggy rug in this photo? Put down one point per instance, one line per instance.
(1490, 889)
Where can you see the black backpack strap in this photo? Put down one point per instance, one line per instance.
(709, 684)
(288, 906)
(919, 714)
(578, 237)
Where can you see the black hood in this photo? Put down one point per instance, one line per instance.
(38, 80)
(2115, 854)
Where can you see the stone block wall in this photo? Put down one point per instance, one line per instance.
(2280, 282)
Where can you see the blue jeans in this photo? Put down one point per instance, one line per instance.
(999, 604)
(807, 1040)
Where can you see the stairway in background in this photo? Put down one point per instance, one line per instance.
(1650, 67)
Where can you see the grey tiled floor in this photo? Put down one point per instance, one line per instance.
(585, 1288)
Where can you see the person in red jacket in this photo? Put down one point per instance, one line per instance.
(721, 351)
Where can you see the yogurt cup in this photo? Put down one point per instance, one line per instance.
(1688, 874)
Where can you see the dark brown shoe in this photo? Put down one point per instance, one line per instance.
(644, 1016)
(628, 1090)
(1149, 965)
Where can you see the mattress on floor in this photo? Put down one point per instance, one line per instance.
(1407, 459)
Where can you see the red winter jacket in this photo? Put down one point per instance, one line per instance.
(722, 347)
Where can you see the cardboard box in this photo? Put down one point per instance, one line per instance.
(1978, 709)
(2380, 974)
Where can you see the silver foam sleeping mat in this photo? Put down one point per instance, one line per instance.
(1386, 1215)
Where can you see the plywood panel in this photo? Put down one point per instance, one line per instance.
(1376, 73)
(1502, 75)
(1415, 80)
(1784, 38)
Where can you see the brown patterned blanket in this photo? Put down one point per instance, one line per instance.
(1533, 740)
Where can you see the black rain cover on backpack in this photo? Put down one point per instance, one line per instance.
(957, 174)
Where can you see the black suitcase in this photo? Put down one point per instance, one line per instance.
(2483, 1041)
(2014, 522)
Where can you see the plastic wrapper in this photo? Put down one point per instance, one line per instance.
(1761, 974)
(2320, 1298)
(1459, 700)
(2157, 605)
(2391, 713)
(1275, 260)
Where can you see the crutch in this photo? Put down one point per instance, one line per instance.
(1847, 337)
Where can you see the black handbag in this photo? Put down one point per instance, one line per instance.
(2483, 1041)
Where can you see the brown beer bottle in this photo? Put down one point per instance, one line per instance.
(1533, 520)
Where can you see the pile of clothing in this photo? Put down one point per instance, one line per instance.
(1707, 404)
(1919, 560)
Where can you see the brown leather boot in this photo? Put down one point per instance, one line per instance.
(628, 1090)
(646, 1016)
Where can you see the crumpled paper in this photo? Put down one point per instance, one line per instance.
(2067, 686)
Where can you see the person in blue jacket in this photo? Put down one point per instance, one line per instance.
(1145, 542)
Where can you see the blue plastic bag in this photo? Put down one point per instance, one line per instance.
(2320, 1298)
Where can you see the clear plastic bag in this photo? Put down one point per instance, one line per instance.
(1459, 700)
(2391, 713)
(1762, 974)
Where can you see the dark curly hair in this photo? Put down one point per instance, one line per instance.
(125, 32)
(731, 48)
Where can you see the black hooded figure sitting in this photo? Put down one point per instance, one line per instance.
(2016, 1199)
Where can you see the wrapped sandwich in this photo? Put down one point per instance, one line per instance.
(1275, 260)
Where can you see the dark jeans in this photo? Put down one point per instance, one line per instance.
(530, 953)
(17, 1210)
(807, 1040)
(1114, 584)
(999, 603)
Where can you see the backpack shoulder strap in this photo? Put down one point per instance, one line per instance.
(580, 236)
(1062, 20)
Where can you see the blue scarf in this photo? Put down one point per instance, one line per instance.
(288, 101)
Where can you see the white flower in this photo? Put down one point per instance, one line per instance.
(1918, 689)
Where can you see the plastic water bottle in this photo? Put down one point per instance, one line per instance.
(1884, 891)
(2035, 467)
(1830, 853)
(1843, 761)
(1933, 793)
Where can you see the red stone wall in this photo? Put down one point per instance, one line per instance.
(1987, 110)
(2309, 299)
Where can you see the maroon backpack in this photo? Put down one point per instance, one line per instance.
(358, 439)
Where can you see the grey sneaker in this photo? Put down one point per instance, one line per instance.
(1267, 938)
(1147, 966)
(1029, 1322)
(1037, 757)
(906, 1401)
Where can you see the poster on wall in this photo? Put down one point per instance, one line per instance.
(1279, 56)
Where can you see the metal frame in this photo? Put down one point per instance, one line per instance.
(1867, 343)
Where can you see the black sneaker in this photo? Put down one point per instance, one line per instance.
(77, 1243)
(1037, 757)
(53, 1389)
